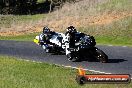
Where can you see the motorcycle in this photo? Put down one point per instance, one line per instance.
(77, 46)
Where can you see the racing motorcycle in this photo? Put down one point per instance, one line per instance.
(77, 46)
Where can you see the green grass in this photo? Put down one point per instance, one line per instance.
(117, 41)
(15, 73)
(26, 37)
(100, 39)
(7, 20)
(115, 5)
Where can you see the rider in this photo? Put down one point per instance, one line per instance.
(71, 33)
(70, 40)
(45, 36)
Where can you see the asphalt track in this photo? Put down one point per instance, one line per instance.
(120, 58)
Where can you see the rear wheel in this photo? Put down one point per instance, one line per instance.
(101, 56)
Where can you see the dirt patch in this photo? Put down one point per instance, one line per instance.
(63, 23)
(103, 19)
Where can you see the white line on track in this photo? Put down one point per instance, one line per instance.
(113, 45)
(110, 45)
(86, 69)
(124, 46)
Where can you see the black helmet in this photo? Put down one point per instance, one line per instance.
(71, 29)
(46, 30)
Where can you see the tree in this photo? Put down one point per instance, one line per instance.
(17, 6)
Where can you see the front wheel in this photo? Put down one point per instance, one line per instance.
(101, 56)
(47, 50)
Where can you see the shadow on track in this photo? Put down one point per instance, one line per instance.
(109, 60)
(92, 59)
(116, 60)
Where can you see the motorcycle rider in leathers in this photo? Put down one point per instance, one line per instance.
(71, 32)
(45, 36)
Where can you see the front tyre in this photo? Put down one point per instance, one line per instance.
(101, 56)
(47, 50)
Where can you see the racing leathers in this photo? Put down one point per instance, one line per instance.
(45, 37)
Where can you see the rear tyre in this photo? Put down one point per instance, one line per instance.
(101, 56)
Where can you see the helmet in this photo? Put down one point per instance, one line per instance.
(46, 30)
(71, 29)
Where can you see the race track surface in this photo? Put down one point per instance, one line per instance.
(120, 58)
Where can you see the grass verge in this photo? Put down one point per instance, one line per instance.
(103, 40)
(25, 37)
(15, 73)
(117, 41)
